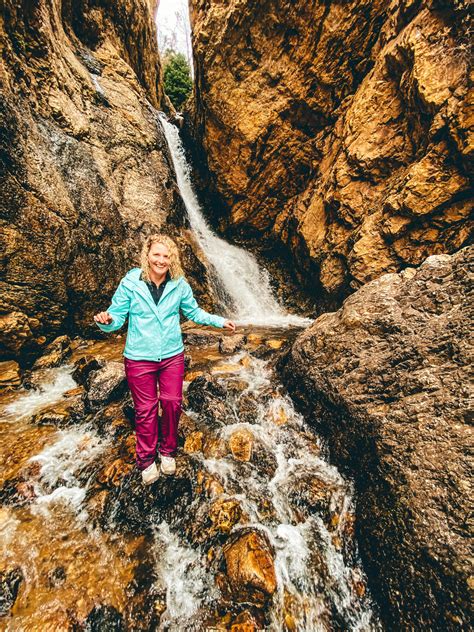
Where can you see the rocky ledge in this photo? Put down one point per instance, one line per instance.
(385, 379)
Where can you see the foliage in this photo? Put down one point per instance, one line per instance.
(177, 77)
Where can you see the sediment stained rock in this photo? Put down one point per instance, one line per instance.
(86, 172)
(386, 379)
(340, 131)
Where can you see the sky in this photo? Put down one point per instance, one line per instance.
(172, 22)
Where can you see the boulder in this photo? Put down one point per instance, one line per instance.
(231, 344)
(54, 354)
(207, 395)
(386, 380)
(84, 366)
(106, 385)
(249, 562)
(241, 444)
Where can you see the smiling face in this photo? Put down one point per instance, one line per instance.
(159, 260)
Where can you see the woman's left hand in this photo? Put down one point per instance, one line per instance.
(229, 324)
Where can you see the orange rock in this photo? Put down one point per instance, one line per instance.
(250, 568)
(113, 473)
(241, 444)
(193, 442)
(224, 514)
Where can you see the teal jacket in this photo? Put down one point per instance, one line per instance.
(154, 331)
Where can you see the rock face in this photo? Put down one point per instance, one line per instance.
(386, 380)
(332, 130)
(86, 170)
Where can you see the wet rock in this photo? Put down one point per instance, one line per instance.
(236, 386)
(310, 493)
(248, 408)
(241, 444)
(54, 354)
(134, 508)
(17, 492)
(214, 448)
(105, 385)
(57, 576)
(208, 484)
(385, 380)
(84, 366)
(278, 416)
(113, 473)
(64, 413)
(224, 514)
(10, 581)
(187, 425)
(249, 562)
(207, 395)
(10, 375)
(194, 442)
(231, 344)
(201, 337)
(104, 618)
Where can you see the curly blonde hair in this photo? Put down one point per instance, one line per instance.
(175, 269)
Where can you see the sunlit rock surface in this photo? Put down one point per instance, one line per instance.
(86, 172)
(340, 130)
(386, 380)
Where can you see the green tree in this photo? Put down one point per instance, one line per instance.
(177, 77)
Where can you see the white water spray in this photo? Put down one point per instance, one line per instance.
(242, 286)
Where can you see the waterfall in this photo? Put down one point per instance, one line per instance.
(242, 285)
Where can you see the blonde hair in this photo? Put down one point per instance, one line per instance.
(175, 269)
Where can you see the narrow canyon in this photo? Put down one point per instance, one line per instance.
(317, 183)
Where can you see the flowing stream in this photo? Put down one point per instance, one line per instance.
(72, 555)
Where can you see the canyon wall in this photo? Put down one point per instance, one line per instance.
(85, 167)
(338, 131)
(386, 379)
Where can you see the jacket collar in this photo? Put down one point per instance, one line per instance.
(143, 290)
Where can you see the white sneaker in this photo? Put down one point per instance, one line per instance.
(150, 474)
(168, 464)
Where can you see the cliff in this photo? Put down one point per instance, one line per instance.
(85, 167)
(339, 131)
(386, 380)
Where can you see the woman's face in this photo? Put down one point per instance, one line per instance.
(159, 259)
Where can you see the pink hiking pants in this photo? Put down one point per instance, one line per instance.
(143, 377)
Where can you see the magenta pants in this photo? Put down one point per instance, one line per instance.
(143, 377)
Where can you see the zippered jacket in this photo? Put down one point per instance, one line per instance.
(154, 331)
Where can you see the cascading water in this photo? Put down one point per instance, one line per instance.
(242, 286)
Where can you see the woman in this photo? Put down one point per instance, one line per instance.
(151, 297)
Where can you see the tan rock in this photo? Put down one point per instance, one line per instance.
(112, 474)
(90, 174)
(224, 514)
(214, 448)
(193, 442)
(241, 444)
(274, 344)
(10, 375)
(330, 121)
(250, 568)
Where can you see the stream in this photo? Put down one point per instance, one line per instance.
(254, 532)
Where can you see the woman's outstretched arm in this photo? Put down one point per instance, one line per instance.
(115, 316)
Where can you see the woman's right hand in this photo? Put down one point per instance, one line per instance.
(104, 318)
